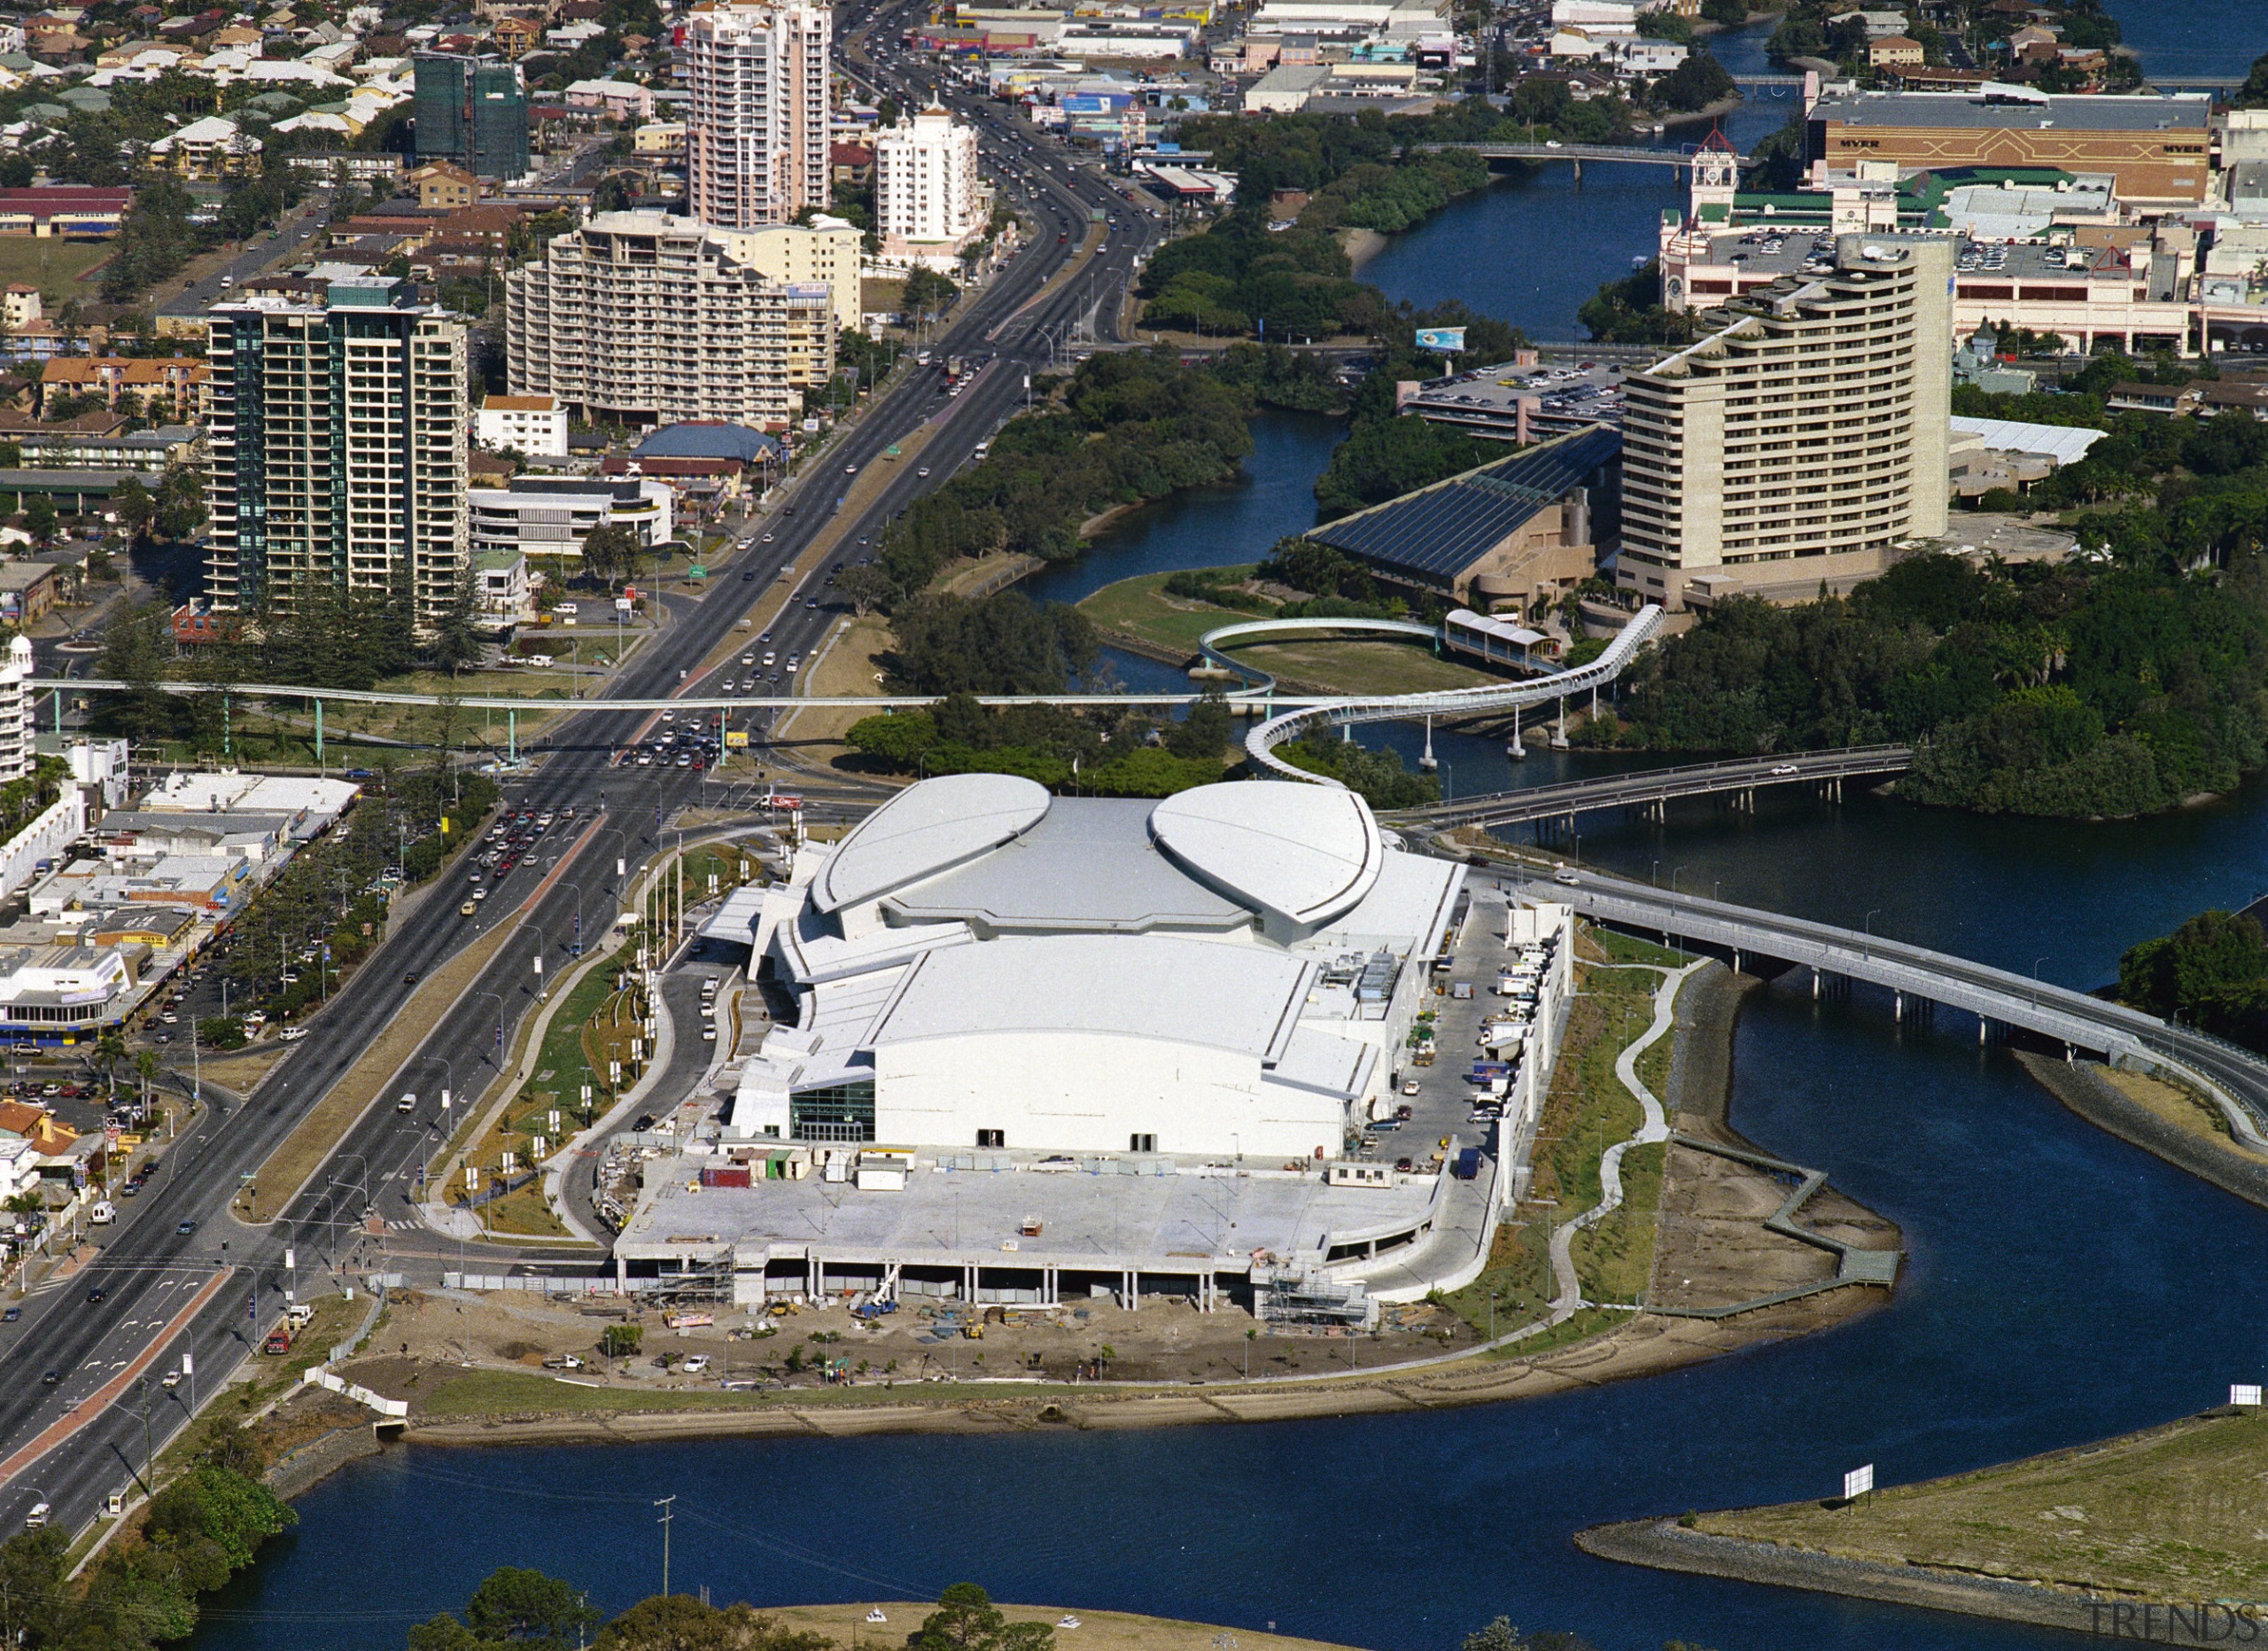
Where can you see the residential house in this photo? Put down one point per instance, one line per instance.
(444, 185)
(212, 147)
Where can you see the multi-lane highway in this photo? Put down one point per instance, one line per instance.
(71, 1441)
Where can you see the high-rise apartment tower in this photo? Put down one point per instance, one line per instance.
(757, 133)
(646, 317)
(336, 437)
(1801, 441)
(473, 111)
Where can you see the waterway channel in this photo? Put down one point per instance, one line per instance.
(2061, 1285)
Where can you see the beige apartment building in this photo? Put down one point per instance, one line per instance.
(757, 132)
(336, 437)
(647, 318)
(826, 252)
(1801, 442)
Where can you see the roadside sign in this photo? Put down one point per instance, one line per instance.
(621, 605)
(696, 571)
(2245, 1393)
(737, 739)
(1857, 1482)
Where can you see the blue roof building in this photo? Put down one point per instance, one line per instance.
(707, 440)
(1522, 532)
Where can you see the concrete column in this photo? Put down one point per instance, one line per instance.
(1426, 760)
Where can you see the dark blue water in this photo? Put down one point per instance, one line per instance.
(2061, 1285)
(1507, 251)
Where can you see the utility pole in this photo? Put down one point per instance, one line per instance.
(668, 1512)
(149, 1479)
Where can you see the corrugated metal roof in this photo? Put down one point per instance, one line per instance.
(1441, 530)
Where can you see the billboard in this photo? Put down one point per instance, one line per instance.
(1448, 340)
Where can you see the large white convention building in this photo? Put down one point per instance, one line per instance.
(982, 965)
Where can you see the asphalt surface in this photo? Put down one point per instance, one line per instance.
(363, 1194)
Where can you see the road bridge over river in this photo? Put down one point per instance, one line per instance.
(1648, 789)
(1917, 978)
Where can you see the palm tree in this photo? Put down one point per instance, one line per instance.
(146, 1067)
(110, 1049)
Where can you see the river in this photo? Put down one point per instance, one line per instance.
(2061, 1285)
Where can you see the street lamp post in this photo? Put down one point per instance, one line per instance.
(1867, 948)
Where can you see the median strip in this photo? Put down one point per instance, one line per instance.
(104, 1397)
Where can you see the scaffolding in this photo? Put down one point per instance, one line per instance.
(1294, 1296)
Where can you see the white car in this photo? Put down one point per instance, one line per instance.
(695, 1365)
(292, 1034)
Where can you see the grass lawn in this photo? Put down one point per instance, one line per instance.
(592, 1027)
(2169, 1513)
(53, 266)
(1140, 607)
(1362, 667)
(1098, 1631)
(1586, 1111)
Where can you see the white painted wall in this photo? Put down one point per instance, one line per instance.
(1084, 1092)
(62, 824)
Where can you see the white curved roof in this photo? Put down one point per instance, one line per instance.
(1304, 853)
(925, 830)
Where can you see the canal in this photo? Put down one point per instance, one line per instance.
(2060, 1285)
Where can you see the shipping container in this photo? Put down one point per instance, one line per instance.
(726, 1175)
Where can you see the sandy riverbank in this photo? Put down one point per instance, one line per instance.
(1362, 245)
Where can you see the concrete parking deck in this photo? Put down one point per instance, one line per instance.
(1151, 1217)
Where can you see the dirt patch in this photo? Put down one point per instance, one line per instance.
(280, 1177)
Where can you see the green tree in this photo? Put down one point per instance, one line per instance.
(1385, 458)
(866, 587)
(523, 1607)
(613, 554)
(41, 522)
(456, 638)
(134, 652)
(967, 1620)
(928, 294)
(33, 1604)
(677, 1623)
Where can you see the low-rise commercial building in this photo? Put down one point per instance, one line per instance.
(2157, 147)
(1521, 531)
(547, 516)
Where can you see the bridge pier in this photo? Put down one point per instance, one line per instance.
(1517, 751)
(1427, 762)
(1559, 738)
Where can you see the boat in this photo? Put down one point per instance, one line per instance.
(875, 1615)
